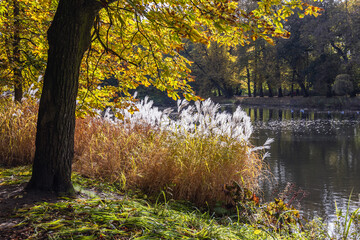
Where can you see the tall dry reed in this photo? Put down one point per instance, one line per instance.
(189, 158)
(17, 132)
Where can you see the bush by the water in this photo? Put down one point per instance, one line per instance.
(343, 85)
(190, 158)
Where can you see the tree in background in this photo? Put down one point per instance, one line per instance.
(215, 69)
(317, 51)
(23, 44)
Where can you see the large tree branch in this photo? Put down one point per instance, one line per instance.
(340, 52)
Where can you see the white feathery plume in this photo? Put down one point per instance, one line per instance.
(200, 120)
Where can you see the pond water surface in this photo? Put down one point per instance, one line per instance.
(315, 151)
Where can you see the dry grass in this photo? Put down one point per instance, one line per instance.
(184, 167)
(17, 132)
(146, 158)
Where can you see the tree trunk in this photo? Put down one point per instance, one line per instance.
(255, 72)
(248, 81)
(18, 88)
(254, 92)
(292, 84)
(69, 37)
(329, 91)
(278, 77)
(261, 91)
(303, 89)
(270, 89)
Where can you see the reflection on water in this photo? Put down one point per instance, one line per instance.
(318, 151)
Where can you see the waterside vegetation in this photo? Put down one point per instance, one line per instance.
(148, 176)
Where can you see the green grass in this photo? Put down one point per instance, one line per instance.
(108, 214)
(127, 219)
(18, 175)
(123, 218)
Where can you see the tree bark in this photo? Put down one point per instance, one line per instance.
(69, 36)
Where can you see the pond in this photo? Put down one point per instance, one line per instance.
(314, 151)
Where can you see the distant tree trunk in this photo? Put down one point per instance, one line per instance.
(353, 93)
(248, 81)
(278, 77)
(18, 82)
(329, 92)
(261, 91)
(254, 93)
(292, 84)
(256, 68)
(69, 37)
(238, 91)
(270, 89)
(303, 89)
(300, 81)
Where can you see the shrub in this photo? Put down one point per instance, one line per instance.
(190, 155)
(343, 85)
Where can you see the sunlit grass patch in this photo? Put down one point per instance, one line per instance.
(128, 219)
(17, 175)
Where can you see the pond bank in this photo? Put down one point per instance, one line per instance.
(314, 102)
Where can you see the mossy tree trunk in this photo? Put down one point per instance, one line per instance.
(69, 37)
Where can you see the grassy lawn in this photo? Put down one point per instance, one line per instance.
(101, 212)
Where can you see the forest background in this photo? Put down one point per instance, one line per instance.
(321, 58)
(307, 64)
